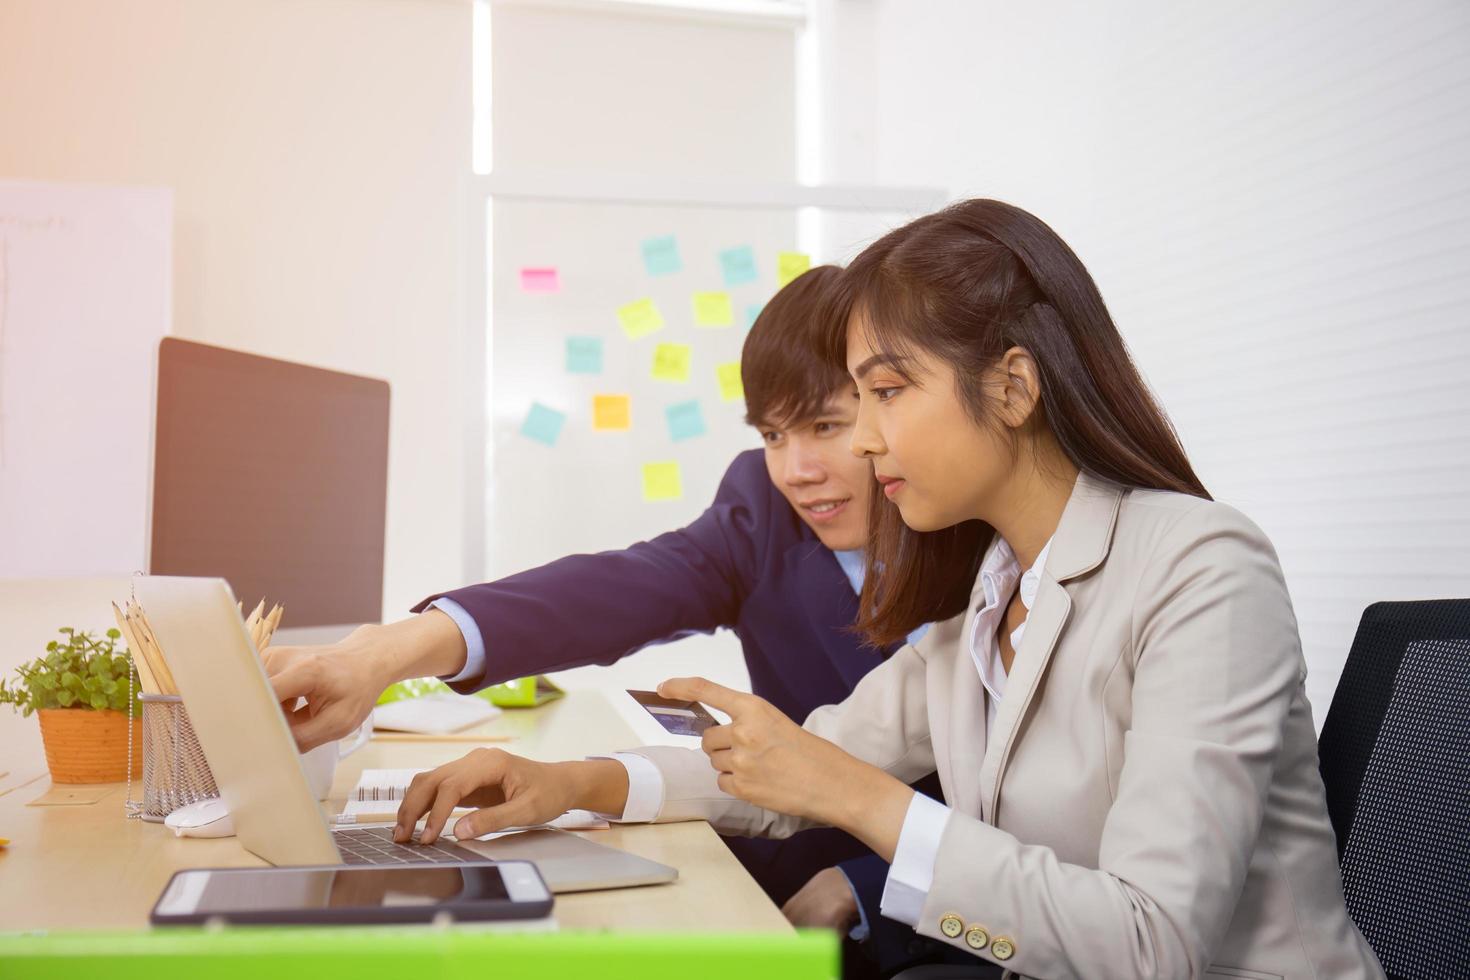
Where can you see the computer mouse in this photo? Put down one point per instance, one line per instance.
(206, 818)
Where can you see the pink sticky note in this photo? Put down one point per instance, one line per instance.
(540, 281)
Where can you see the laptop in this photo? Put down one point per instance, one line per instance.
(257, 767)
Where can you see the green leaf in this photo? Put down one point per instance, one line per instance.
(99, 701)
(65, 698)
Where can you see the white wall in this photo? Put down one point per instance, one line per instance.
(1275, 201)
(317, 150)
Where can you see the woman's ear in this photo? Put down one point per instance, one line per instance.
(1021, 391)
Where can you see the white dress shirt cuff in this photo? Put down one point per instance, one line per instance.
(912, 873)
(645, 789)
(474, 643)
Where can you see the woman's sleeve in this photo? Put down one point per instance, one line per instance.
(1216, 662)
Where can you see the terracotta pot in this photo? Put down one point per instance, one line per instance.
(84, 745)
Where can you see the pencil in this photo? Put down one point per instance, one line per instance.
(158, 661)
(273, 622)
(140, 662)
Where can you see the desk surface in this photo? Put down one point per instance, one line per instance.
(71, 867)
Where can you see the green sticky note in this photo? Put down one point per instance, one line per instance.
(713, 310)
(685, 420)
(731, 387)
(738, 265)
(661, 256)
(752, 310)
(662, 481)
(789, 265)
(584, 355)
(671, 363)
(640, 318)
(543, 424)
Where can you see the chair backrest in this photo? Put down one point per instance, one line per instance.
(1395, 758)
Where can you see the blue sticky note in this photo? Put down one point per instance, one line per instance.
(685, 420)
(543, 424)
(584, 355)
(751, 312)
(661, 256)
(738, 265)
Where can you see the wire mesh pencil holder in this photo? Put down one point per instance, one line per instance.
(175, 773)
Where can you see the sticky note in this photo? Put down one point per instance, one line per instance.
(713, 310)
(543, 424)
(661, 256)
(789, 265)
(671, 362)
(738, 265)
(640, 318)
(685, 420)
(661, 481)
(611, 412)
(584, 355)
(752, 311)
(731, 387)
(542, 280)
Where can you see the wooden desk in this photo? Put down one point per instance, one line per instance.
(72, 867)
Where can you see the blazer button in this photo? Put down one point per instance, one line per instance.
(951, 925)
(977, 938)
(1002, 948)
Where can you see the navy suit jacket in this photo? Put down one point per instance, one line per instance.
(749, 564)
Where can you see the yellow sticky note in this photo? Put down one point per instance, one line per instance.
(640, 318)
(661, 481)
(789, 265)
(731, 387)
(713, 310)
(611, 412)
(671, 363)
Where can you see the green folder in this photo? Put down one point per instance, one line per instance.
(525, 692)
(408, 952)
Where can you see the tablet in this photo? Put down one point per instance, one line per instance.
(466, 892)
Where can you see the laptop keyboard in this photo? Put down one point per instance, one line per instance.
(375, 845)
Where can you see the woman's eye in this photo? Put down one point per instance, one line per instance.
(771, 438)
(885, 394)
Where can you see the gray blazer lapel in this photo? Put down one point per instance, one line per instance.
(1080, 544)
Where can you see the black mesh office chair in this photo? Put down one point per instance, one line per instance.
(1395, 756)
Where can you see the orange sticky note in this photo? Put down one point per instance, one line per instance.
(662, 481)
(611, 412)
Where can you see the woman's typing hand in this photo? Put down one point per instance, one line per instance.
(508, 791)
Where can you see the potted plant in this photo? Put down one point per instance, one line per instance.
(80, 687)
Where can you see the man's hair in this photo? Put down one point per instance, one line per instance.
(787, 376)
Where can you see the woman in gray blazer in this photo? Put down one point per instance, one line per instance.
(1112, 696)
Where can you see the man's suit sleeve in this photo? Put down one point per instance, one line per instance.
(596, 609)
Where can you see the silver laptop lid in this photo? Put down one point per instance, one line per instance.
(239, 723)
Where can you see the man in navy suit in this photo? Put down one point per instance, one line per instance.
(777, 558)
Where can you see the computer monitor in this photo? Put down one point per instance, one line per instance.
(273, 476)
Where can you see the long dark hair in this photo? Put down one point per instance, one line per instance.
(966, 284)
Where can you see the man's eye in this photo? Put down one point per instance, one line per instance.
(771, 438)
